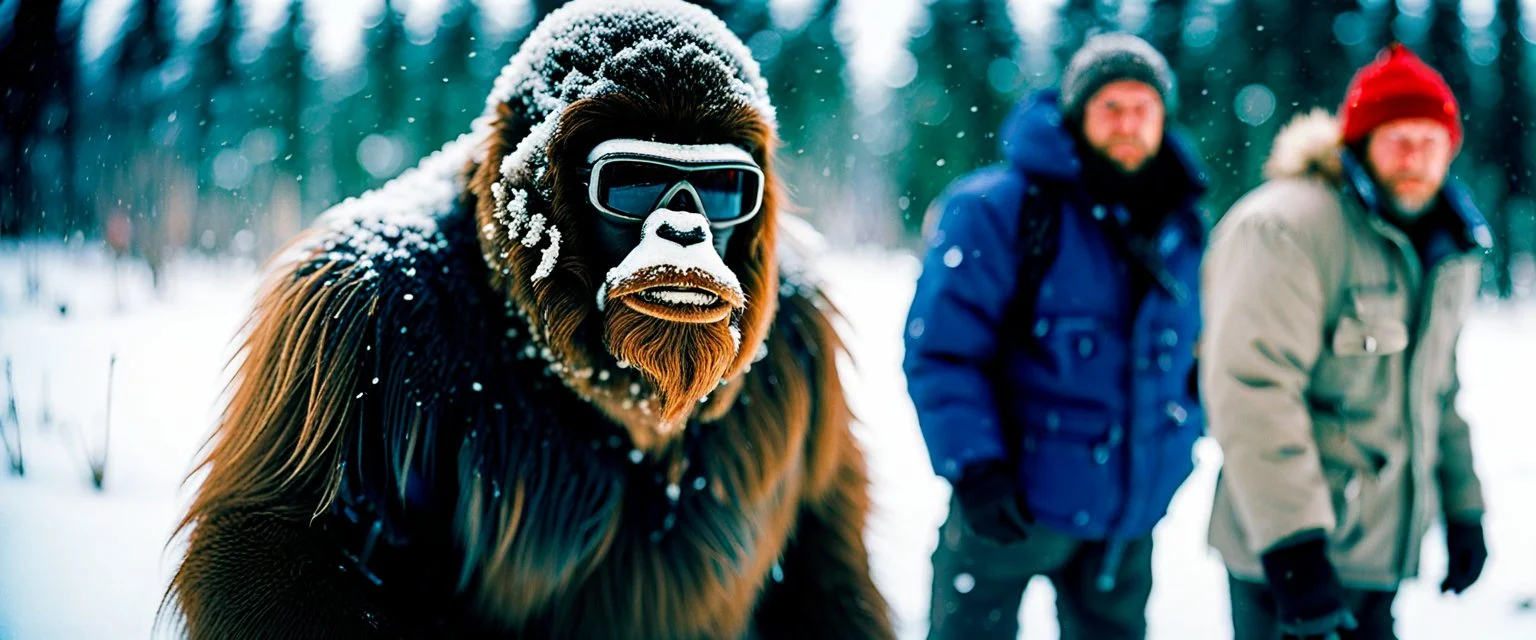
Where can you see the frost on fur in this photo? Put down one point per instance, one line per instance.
(573, 51)
(514, 215)
(535, 230)
(550, 255)
(397, 219)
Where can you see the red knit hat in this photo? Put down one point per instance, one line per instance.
(1397, 85)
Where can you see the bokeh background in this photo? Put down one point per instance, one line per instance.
(222, 126)
(153, 153)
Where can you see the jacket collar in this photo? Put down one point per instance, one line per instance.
(1035, 141)
(1460, 219)
(1310, 147)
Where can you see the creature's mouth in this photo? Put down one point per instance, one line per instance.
(676, 302)
(686, 296)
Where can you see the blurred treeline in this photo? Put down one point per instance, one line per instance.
(196, 127)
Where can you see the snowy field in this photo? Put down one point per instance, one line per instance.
(75, 563)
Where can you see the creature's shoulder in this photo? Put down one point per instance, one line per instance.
(805, 312)
(805, 351)
(400, 243)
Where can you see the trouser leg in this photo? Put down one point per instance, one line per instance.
(1085, 612)
(978, 584)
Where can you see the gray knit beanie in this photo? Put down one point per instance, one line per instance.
(1110, 57)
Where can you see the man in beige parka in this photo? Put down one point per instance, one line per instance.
(1334, 295)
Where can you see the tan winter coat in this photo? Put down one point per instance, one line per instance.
(1328, 369)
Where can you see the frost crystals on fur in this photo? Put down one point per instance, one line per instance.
(550, 255)
(398, 219)
(590, 48)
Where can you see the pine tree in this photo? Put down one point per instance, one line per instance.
(286, 90)
(1076, 22)
(810, 93)
(67, 97)
(1446, 51)
(381, 106)
(1510, 149)
(541, 8)
(743, 17)
(1226, 137)
(138, 157)
(1192, 57)
(953, 109)
(219, 119)
(1318, 78)
(461, 97)
(350, 120)
(1294, 67)
(386, 77)
(1386, 20)
(38, 63)
(143, 47)
(1165, 29)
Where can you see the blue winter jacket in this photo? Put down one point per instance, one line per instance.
(1090, 397)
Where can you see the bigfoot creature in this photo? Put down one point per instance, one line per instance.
(551, 382)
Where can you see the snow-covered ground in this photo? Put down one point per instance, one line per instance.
(75, 563)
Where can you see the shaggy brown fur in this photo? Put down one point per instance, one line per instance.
(563, 301)
(515, 504)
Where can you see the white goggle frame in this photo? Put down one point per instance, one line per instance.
(683, 157)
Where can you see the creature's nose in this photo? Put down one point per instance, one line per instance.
(685, 237)
(683, 200)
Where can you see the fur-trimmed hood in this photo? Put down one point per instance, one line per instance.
(1309, 145)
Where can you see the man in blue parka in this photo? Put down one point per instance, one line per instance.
(1050, 351)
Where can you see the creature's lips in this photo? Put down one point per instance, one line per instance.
(679, 303)
(678, 296)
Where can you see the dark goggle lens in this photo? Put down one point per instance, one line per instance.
(633, 188)
(727, 194)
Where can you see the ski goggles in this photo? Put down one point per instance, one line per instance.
(631, 178)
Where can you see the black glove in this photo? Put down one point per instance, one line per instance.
(1467, 552)
(992, 504)
(1309, 599)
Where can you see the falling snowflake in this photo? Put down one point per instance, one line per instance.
(953, 257)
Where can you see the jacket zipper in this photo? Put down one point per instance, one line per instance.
(1428, 286)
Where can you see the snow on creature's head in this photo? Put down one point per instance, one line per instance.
(662, 72)
(648, 48)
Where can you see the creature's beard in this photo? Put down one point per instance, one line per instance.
(683, 362)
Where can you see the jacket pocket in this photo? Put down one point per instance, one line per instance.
(1366, 338)
(1080, 347)
(1069, 463)
(1372, 322)
(1069, 420)
(1347, 467)
(1369, 337)
(1344, 489)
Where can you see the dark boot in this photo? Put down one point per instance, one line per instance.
(978, 584)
